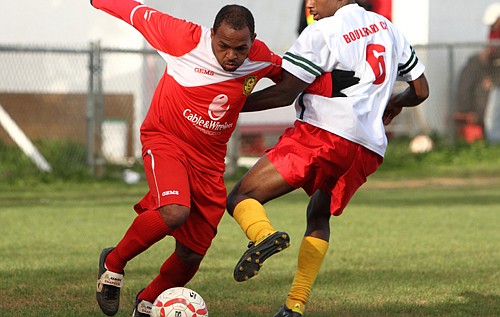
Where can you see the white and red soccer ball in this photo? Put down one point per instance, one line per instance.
(421, 144)
(179, 302)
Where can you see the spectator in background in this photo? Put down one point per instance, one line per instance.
(477, 78)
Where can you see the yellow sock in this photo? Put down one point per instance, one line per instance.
(252, 218)
(311, 254)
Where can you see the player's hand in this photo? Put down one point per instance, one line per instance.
(342, 79)
(390, 112)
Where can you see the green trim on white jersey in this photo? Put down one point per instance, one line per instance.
(305, 64)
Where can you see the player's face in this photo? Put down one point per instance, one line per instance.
(231, 46)
(324, 8)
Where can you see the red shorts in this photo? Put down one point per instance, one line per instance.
(173, 180)
(312, 158)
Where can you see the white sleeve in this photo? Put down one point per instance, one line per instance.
(409, 66)
(308, 56)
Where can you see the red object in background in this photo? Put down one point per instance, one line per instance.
(494, 34)
(472, 133)
(383, 7)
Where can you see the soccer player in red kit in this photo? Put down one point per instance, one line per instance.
(209, 74)
(194, 110)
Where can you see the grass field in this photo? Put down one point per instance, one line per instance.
(425, 248)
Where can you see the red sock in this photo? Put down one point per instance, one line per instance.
(173, 273)
(146, 229)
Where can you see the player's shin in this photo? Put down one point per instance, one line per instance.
(253, 220)
(173, 273)
(311, 254)
(146, 229)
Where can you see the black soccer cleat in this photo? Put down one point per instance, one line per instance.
(287, 312)
(249, 264)
(108, 286)
(142, 308)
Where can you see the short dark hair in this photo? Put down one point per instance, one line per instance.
(238, 17)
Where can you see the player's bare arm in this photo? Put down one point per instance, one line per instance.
(280, 95)
(415, 94)
(284, 93)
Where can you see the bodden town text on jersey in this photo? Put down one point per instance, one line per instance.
(363, 32)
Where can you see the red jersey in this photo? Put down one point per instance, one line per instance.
(197, 103)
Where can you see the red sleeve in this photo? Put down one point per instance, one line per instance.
(260, 52)
(164, 32)
(275, 73)
(322, 86)
(117, 8)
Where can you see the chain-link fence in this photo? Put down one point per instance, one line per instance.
(85, 103)
(88, 102)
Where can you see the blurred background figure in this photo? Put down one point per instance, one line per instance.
(305, 18)
(478, 90)
(382, 7)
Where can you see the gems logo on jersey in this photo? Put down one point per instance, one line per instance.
(249, 85)
(218, 108)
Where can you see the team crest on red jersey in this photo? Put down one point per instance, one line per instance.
(249, 85)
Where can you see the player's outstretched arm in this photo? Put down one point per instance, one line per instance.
(162, 31)
(415, 94)
(284, 93)
(280, 95)
(120, 9)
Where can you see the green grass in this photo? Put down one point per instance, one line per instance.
(428, 250)
(459, 160)
(69, 162)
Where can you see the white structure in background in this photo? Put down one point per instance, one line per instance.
(59, 22)
(23, 142)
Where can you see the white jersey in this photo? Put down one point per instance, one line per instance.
(362, 41)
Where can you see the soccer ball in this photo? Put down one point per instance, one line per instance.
(421, 144)
(179, 302)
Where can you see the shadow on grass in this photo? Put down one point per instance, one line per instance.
(64, 293)
(389, 293)
(471, 304)
(438, 198)
(385, 293)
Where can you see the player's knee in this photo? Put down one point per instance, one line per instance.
(230, 206)
(231, 202)
(187, 255)
(191, 258)
(174, 215)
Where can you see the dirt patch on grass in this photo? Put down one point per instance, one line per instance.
(432, 182)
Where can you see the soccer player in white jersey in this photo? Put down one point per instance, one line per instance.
(336, 142)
